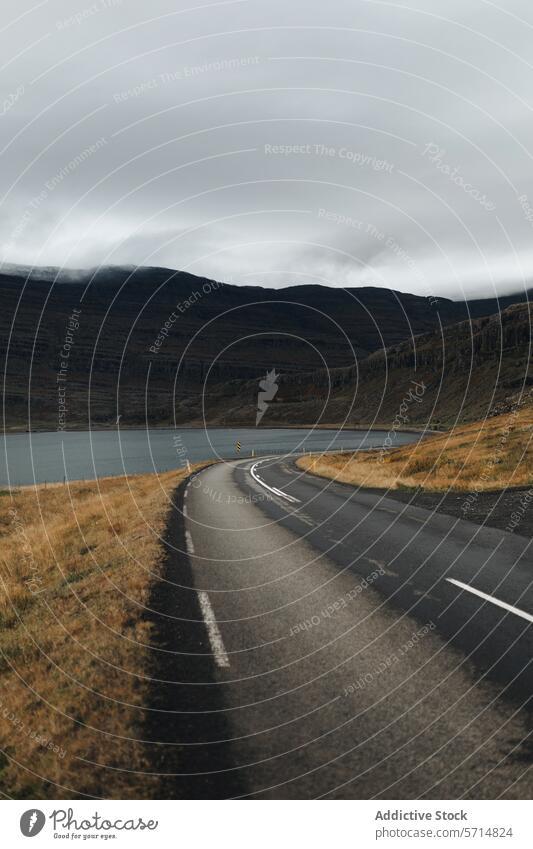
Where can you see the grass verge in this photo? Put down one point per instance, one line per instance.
(493, 454)
(76, 570)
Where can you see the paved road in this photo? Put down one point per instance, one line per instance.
(347, 645)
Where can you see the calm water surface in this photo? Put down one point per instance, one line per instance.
(37, 457)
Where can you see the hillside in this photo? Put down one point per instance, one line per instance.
(494, 454)
(145, 342)
(473, 369)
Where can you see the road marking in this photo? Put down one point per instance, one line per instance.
(378, 563)
(382, 567)
(271, 488)
(306, 519)
(190, 544)
(185, 494)
(493, 600)
(185, 511)
(402, 515)
(425, 594)
(215, 637)
(284, 494)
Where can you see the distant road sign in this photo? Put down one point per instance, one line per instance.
(237, 446)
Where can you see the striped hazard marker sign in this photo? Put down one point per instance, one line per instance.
(237, 446)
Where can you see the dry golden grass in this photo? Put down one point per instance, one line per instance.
(493, 454)
(76, 567)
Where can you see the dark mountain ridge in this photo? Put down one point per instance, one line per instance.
(146, 343)
(472, 370)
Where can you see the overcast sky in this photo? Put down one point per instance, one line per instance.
(343, 142)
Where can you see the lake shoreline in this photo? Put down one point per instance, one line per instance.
(56, 456)
(381, 427)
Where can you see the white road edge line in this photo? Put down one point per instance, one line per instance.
(190, 544)
(284, 494)
(215, 637)
(271, 488)
(493, 600)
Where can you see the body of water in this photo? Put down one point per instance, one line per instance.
(38, 457)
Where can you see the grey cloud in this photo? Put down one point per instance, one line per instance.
(186, 102)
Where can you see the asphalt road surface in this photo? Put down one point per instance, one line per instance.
(330, 642)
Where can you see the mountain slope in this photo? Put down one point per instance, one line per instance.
(145, 342)
(473, 369)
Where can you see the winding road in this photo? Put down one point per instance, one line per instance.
(337, 643)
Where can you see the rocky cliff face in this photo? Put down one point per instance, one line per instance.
(149, 343)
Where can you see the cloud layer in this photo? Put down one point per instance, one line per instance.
(348, 143)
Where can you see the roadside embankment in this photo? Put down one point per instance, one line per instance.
(481, 471)
(492, 454)
(78, 567)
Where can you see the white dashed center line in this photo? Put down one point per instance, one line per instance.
(496, 601)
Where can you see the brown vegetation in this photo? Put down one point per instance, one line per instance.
(489, 455)
(77, 566)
